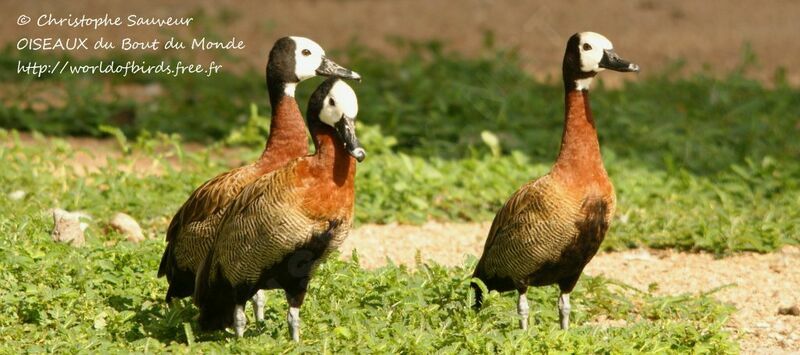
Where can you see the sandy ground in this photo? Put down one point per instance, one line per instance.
(652, 33)
(756, 284)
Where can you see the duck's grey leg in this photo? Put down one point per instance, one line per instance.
(294, 322)
(295, 300)
(563, 310)
(523, 310)
(239, 320)
(259, 299)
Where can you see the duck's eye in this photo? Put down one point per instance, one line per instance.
(306, 52)
(331, 102)
(587, 47)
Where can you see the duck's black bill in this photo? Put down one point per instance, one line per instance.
(330, 68)
(612, 61)
(346, 127)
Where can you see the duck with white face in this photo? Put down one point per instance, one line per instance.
(190, 234)
(279, 229)
(339, 110)
(551, 227)
(310, 61)
(294, 59)
(587, 54)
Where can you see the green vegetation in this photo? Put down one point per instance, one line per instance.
(698, 164)
(101, 298)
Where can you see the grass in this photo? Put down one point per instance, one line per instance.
(100, 298)
(698, 164)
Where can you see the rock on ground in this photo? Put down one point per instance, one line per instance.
(127, 226)
(68, 228)
(16, 195)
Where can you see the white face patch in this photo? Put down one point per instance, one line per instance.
(341, 101)
(591, 48)
(307, 57)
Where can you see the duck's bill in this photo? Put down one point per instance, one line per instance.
(330, 68)
(346, 127)
(612, 61)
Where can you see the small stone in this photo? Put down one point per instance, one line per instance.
(16, 195)
(642, 255)
(128, 227)
(789, 311)
(68, 228)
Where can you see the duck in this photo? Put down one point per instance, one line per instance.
(550, 228)
(280, 227)
(190, 234)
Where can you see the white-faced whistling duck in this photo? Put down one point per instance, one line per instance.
(551, 227)
(280, 227)
(191, 232)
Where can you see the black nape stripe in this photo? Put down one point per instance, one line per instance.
(317, 100)
(571, 67)
(280, 68)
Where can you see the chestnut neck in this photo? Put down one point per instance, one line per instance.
(331, 160)
(579, 159)
(287, 132)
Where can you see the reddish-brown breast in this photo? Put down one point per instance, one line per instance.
(579, 166)
(287, 140)
(329, 178)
